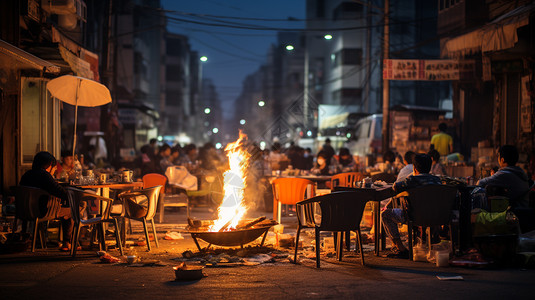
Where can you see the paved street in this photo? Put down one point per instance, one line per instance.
(50, 274)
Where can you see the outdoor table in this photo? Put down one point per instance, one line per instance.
(375, 194)
(104, 188)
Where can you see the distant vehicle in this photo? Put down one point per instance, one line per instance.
(365, 138)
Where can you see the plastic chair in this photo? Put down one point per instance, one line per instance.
(386, 177)
(338, 212)
(429, 205)
(346, 179)
(290, 191)
(28, 201)
(141, 206)
(76, 198)
(152, 180)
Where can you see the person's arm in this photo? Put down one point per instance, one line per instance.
(52, 187)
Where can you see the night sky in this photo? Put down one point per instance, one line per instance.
(233, 53)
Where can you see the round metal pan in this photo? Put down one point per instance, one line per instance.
(230, 238)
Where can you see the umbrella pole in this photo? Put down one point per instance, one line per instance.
(75, 123)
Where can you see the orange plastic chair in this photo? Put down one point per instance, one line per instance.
(346, 179)
(152, 180)
(290, 191)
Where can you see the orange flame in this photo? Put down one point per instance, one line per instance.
(232, 209)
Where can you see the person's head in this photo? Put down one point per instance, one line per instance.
(67, 159)
(175, 152)
(507, 156)
(327, 141)
(389, 156)
(165, 150)
(408, 158)
(344, 153)
(442, 127)
(422, 164)
(153, 142)
(190, 150)
(44, 160)
(322, 158)
(276, 147)
(435, 156)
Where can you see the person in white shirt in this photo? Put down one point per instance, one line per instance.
(407, 170)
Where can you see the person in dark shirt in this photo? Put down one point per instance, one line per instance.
(40, 176)
(391, 217)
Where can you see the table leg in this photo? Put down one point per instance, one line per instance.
(376, 223)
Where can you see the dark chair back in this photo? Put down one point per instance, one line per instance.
(430, 205)
(32, 203)
(386, 177)
(338, 211)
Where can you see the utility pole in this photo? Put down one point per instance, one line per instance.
(368, 58)
(386, 85)
(305, 85)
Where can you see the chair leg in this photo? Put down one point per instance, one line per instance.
(74, 244)
(102, 238)
(340, 245)
(279, 212)
(348, 240)
(161, 208)
(35, 234)
(154, 232)
(359, 242)
(118, 236)
(297, 242)
(428, 236)
(409, 231)
(317, 247)
(146, 233)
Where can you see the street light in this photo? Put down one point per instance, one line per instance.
(290, 47)
(207, 111)
(203, 58)
(328, 37)
(215, 130)
(261, 103)
(242, 122)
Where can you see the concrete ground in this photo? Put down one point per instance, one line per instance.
(50, 274)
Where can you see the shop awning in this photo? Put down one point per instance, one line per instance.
(26, 59)
(498, 35)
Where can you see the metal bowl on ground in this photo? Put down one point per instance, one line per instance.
(230, 238)
(184, 272)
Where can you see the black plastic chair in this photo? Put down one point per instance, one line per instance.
(429, 205)
(337, 212)
(141, 206)
(386, 177)
(76, 198)
(29, 205)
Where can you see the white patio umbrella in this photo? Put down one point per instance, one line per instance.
(78, 91)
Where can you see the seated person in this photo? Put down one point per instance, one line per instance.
(509, 177)
(436, 168)
(324, 164)
(40, 176)
(391, 217)
(346, 160)
(408, 169)
(65, 169)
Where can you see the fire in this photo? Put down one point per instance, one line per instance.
(232, 209)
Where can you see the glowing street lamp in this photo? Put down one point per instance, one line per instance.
(328, 37)
(261, 103)
(215, 130)
(207, 110)
(203, 58)
(242, 122)
(290, 47)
